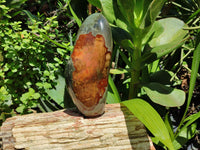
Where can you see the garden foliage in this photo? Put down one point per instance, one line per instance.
(30, 62)
(150, 49)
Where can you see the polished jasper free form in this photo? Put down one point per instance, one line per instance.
(88, 67)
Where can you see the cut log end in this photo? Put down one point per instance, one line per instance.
(116, 129)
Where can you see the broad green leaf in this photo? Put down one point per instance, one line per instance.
(58, 93)
(164, 95)
(184, 136)
(165, 49)
(151, 119)
(172, 30)
(165, 36)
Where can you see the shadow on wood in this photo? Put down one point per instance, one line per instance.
(116, 129)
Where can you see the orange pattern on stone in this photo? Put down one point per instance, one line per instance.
(91, 61)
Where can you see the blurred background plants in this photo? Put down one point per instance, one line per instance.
(154, 70)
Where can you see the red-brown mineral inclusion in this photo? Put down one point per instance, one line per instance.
(91, 61)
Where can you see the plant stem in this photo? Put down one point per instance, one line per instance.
(133, 89)
(135, 73)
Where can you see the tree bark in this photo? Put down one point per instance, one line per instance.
(116, 129)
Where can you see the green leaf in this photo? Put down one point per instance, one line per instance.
(184, 136)
(165, 36)
(128, 45)
(15, 3)
(46, 85)
(31, 91)
(126, 7)
(163, 95)
(120, 34)
(21, 108)
(78, 21)
(58, 93)
(46, 73)
(125, 59)
(166, 31)
(30, 15)
(190, 120)
(1, 57)
(36, 96)
(61, 51)
(113, 95)
(8, 102)
(47, 106)
(151, 119)
(118, 71)
(5, 96)
(152, 12)
(25, 97)
(195, 68)
(162, 77)
(108, 10)
(113, 15)
(168, 124)
(110, 98)
(95, 3)
(53, 41)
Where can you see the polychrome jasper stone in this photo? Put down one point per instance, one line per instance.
(88, 67)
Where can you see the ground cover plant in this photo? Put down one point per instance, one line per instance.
(155, 69)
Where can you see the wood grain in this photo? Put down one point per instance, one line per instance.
(116, 129)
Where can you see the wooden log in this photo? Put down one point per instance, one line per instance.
(116, 129)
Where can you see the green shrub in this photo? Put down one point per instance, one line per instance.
(30, 60)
